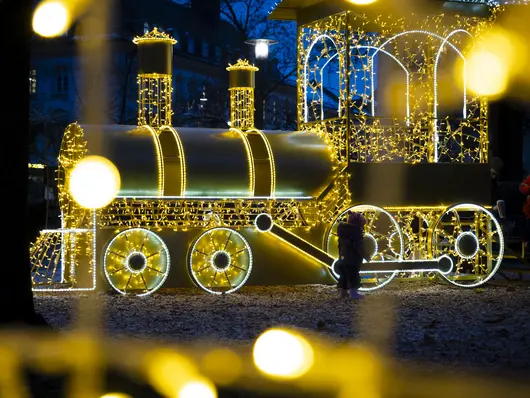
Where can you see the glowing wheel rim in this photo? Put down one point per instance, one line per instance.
(136, 262)
(475, 224)
(379, 226)
(220, 261)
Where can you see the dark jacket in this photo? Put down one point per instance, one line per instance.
(351, 247)
(524, 188)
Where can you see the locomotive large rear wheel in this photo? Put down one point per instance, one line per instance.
(380, 225)
(136, 261)
(220, 261)
(473, 238)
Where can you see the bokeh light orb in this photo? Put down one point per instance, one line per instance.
(283, 354)
(198, 389)
(116, 395)
(487, 73)
(94, 182)
(362, 2)
(51, 19)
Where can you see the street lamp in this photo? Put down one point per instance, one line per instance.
(261, 47)
(261, 53)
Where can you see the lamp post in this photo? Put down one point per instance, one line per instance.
(261, 54)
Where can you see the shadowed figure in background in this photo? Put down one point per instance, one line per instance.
(524, 188)
(351, 255)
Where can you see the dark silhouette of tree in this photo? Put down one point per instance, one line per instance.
(16, 295)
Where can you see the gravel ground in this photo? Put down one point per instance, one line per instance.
(486, 330)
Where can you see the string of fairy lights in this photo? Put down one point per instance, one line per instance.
(354, 127)
(427, 130)
(242, 96)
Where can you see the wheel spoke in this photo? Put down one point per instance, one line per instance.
(227, 240)
(128, 281)
(145, 284)
(117, 254)
(118, 270)
(154, 269)
(228, 279)
(153, 254)
(143, 241)
(238, 252)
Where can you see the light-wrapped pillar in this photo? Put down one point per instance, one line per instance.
(242, 85)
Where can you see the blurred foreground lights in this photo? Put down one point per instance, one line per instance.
(198, 389)
(361, 2)
(487, 73)
(497, 60)
(116, 395)
(94, 182)
(51, 18)
(283, 354)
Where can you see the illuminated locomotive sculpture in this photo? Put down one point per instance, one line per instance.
(221, 208)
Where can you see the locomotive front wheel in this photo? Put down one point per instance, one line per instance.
(380, 225)
(136, 261)
(220, 261)
(473, 238)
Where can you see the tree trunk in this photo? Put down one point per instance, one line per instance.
(16, 296)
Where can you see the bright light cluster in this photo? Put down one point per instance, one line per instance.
(94, 182)
(51, 18)
(282, 354)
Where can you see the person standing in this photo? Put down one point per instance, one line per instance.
(351, 255)
(524, 188)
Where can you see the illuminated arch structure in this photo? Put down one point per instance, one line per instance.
(221, 208)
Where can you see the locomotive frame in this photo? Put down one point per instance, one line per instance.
(434, 220)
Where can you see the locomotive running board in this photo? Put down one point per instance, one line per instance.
(264, 224)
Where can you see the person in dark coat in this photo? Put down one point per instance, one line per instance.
(524, 188)
(351, 255)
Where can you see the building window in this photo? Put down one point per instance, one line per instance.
(33, 81)
(205, 49)
(191, 45)
(218, 53)
(61, 82)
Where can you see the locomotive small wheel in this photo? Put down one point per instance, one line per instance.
(473, 238)
(380, 225)
(220, 261)
(136, 261)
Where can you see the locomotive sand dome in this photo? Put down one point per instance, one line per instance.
(221, 208)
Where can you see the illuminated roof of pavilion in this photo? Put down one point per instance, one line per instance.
(288, 9)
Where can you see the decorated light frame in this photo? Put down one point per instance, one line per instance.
(416, 45)
(462, 243)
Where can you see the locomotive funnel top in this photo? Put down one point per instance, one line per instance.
(155, 53)
(155, 67)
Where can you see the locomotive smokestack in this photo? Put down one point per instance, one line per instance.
(242, 84)
(155, 67)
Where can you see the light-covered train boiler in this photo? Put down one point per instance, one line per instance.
(221, 208)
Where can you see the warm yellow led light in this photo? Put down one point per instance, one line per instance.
(115, 395)
(51, 19)
(362, 2)
(198, 389)
(283, 354)
(94, 182)
(487, 73)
